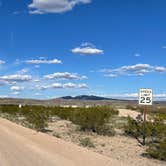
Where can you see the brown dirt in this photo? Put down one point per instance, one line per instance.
(20, 146)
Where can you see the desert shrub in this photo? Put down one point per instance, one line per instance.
(157, 125)
(106, 130)
(57, 135)
(89, 119)
(9, 109)
(132, 127)
(158, 150)
(131, 107)
(92, 119)
(63, 113)
(37, 117)
(155, 133)
(86, 142)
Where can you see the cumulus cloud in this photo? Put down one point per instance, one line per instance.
(15, 93)
(17, 88)
(54, 6)
(87, 49)
(160, 69)
(3, 82)
(62, 86)
(65, 76)
(43, 61)
(23, 71)
(16, 78)
(133, 70)
(2, 62)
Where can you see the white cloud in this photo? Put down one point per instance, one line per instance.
(15, 93)
(36, 80)
(111, 75)
(65, 76)
(37, 94)
(62, 86)
(156, 96)
(160, 69)
(16, 78)
(54, 6)
(23, 71)
(133, 70)
(137, 55)
(17, 88)
(2, 62)
(3, 82)
(87, 49)
(82, 86)
(69, 85)
(4, 96)
(132, 96)
(43, 61)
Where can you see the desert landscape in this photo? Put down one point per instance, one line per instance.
(82, 83)
(112, 144)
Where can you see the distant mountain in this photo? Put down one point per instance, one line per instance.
(84, 97)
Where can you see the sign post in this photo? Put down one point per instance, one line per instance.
(145, 98)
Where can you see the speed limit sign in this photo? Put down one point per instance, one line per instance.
(145, 96)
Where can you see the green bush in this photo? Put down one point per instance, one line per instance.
(155, 133)
(106, 130)
(91, 119)
(37, 117)
(158, 150)
(56, 135)
(131, 107)
(86, 142)
(9, 109)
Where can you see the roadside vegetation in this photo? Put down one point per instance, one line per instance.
(154, 130)
(86, 142)
(93, 121)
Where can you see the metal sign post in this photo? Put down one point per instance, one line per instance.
(145, 98)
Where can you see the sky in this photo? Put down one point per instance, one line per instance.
(111, 48)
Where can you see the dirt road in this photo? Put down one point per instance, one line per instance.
(20, 146)
(127, 112)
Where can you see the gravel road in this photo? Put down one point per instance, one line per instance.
(20, 146)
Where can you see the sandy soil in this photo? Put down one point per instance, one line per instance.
(41, 149)
(118, 147)
(20, 146)
(127, 112)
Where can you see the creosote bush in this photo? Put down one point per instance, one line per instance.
(131, 107)
(93, 119)
(9, 109)
(37, 117)
(86, 142)
(158, 150)
(155, 132)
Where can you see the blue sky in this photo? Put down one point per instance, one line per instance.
(52, 48)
